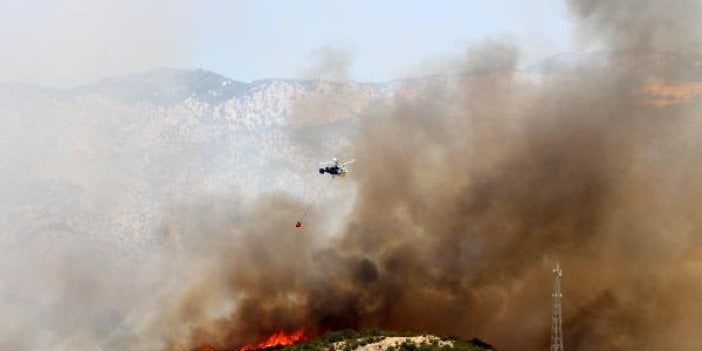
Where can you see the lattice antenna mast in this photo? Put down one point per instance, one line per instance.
(556, 316)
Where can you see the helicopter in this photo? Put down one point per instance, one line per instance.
(336, 168)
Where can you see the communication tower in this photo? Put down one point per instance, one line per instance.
(556, 316)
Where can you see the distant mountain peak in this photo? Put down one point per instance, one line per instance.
(167, 86)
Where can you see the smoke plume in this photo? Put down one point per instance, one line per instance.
(469, 189)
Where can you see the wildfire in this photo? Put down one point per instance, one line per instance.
(279, 338)
(661, 94)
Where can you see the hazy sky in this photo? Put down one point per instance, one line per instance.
(70, 42)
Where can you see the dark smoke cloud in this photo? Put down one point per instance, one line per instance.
(469, 189)
(670, 26)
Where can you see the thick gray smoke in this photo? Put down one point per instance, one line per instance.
(468, 188)
(471, 187)
(671, 27)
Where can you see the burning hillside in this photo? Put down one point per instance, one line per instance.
(364, 340)
(277, 340)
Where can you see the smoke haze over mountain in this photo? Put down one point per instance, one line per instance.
(471, 188)
(466, 190)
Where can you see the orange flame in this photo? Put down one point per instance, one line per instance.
(279, 338)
